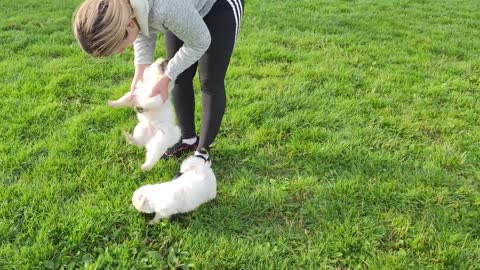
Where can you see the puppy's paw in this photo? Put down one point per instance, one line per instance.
(129, 137)
(117, 104)
(112, 103)
(152, 222)
(146, 167)
(163, 220)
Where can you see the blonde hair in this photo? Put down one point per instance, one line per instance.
(100, 26)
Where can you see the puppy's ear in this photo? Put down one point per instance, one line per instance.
(163, 65)
(143, 201)
(140, 202)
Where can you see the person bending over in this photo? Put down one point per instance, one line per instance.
(198, 34)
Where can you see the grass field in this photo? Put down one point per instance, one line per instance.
(351, 141)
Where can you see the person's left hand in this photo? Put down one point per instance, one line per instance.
(161, 87)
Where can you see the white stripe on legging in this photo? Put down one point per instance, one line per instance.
(237, 17)
(238, 3)
(240, 7)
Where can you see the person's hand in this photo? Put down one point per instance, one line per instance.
(133, 86)
(161, 87)
(139, 70)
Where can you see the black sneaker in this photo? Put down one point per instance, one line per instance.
(180, 148)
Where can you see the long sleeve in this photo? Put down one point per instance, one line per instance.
(144, 47)
(182, 19)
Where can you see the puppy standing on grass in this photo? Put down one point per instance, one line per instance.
(195, 185)
(156, 129)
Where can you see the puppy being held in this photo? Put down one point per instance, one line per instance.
(193, 186)
(156, 129)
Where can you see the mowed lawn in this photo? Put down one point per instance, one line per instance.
(351, 141)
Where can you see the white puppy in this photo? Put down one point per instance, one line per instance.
(156, 129)
(194, 185)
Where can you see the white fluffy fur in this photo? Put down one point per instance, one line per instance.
(195, 186)
(156, 129)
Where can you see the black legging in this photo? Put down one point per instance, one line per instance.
(223, 21)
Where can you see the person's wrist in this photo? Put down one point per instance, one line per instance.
(162, 80)
(140, 69)
(166, 78)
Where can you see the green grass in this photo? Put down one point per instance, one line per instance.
(351, 141)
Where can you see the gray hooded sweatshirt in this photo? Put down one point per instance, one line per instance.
(184, 18)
